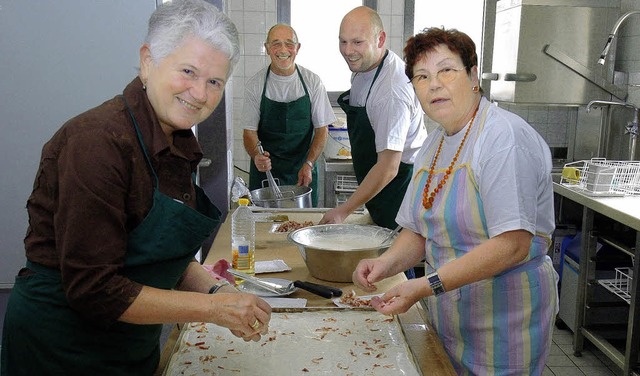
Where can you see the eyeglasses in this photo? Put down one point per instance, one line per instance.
(445, 75)
(288, 45)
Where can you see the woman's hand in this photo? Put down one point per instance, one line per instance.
(245, 315)
(401, 297)
(368, 272)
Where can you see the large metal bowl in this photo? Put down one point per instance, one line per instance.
(332, 252)
(293, 196)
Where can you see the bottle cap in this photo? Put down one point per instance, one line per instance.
(243, 201)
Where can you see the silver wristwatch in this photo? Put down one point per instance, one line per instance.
(436, 284)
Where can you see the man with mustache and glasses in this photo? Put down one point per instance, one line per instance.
(287, 111)
(384, 119)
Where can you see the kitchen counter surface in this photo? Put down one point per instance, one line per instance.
(428, 352)
(625, 210)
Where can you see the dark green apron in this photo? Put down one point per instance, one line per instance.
(286, 132)
(44, 336)
(384, 207)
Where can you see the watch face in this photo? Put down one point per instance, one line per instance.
(435, 283)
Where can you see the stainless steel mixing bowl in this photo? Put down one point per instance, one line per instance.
(332, 252)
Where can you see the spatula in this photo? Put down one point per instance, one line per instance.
(266, 285)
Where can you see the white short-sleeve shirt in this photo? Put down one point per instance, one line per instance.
(286, 89)
(393, 108)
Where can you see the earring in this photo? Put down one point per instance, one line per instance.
(475, 89)
(144, 87)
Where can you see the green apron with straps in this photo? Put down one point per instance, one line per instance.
(286, 132)
(383, 207)
(44, 335)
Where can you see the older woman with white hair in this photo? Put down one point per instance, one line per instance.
(116, 217)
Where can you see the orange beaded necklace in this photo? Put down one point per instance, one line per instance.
(427, 199)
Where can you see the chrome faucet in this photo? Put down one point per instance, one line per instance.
(632, 127)
(612, 35)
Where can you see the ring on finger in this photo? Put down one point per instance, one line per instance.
(256, 324)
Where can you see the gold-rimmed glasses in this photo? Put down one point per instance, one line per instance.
(445, 75)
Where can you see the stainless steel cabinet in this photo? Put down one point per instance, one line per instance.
(523, 73)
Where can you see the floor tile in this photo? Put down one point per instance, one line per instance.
(566, 348)
(562, 360)
(559, 361)
(588, 359)
(555, 350)
(597, 371)
(566, 371)
(562, 337)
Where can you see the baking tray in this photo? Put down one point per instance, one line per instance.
(300, 341)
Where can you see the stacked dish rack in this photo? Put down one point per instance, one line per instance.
(344, 187)
(346, 183)
(600, 177)
(621, 284)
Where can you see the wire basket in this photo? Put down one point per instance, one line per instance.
(346, 183)
(600, 177)
(621, 284)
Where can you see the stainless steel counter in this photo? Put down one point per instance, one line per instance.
(626, 211)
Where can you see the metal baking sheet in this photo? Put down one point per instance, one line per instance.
(300, 341)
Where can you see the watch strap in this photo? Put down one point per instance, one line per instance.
(218, 286)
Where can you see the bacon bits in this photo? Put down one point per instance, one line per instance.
(293, 225)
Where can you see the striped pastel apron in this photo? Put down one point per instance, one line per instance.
(498, 326)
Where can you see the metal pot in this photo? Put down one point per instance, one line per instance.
(332, 252)
(293, 197)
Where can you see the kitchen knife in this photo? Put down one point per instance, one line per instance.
(321, 290)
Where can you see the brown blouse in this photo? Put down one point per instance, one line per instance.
(92, 188)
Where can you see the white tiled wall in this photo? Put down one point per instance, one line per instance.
(253, 19)
(552, 122)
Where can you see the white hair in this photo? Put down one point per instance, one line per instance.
(174, 21)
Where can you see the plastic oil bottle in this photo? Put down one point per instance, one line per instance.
(243, 239)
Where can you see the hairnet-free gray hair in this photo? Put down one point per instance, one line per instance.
(172, 22)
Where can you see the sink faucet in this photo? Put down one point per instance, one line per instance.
(632, 127)
(612, 36)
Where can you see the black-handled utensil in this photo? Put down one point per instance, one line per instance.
(324, 291)
(334, 290)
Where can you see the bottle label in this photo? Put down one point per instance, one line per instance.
(243, 250)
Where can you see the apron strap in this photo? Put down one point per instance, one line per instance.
(376, 76)
(141, 142)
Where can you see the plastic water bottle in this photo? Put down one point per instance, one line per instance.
(243, 233)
